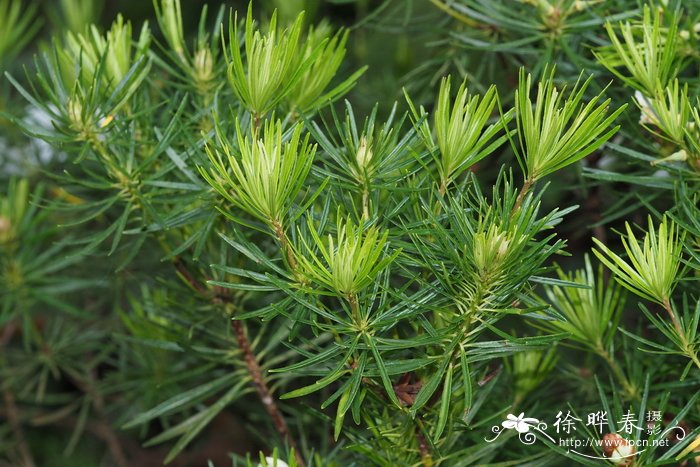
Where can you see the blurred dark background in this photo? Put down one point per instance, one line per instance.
(392, 37)
(405, 43)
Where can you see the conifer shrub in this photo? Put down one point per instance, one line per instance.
(226, 239)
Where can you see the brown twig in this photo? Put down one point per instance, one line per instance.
(263, 390)
(674, 320)
(686, 346)
(188, 277)
(252, 365)
(443, 188)
(521, 196)
(284, 245)
(13, 415)
(425, 456)
(257, 121)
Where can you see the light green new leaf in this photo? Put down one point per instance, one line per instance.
(650, 60)
(463, 137)
(555, 131)
(266, 176)
(591, 312)
(17, 27)
(670, 111)
(348, 262)
(309, 93)
(651, 270)
(271, 67)
(114, 53)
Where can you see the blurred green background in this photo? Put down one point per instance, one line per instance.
(406, 43)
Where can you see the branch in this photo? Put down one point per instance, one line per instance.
(14, 418)
(284, 245)
(13, 414)
(256, 373)
(263, 391)
(425, 457)
(521, 196)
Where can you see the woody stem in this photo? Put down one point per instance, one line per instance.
(251, 362)
(268, 401)
(12, 411)
(284, 244)
(523, 192)
(688, 349)
(674, 319)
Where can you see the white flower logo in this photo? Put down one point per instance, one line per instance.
(520, 423)
(272, 462)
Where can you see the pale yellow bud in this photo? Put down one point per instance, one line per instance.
(364, 154)
(546, 7)
(75, 113)
(581, 5)
(678, 156)
(272, 462)
(619, 450)
(502, 249)
(647, 117)
(203, 65)
(490, 248)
